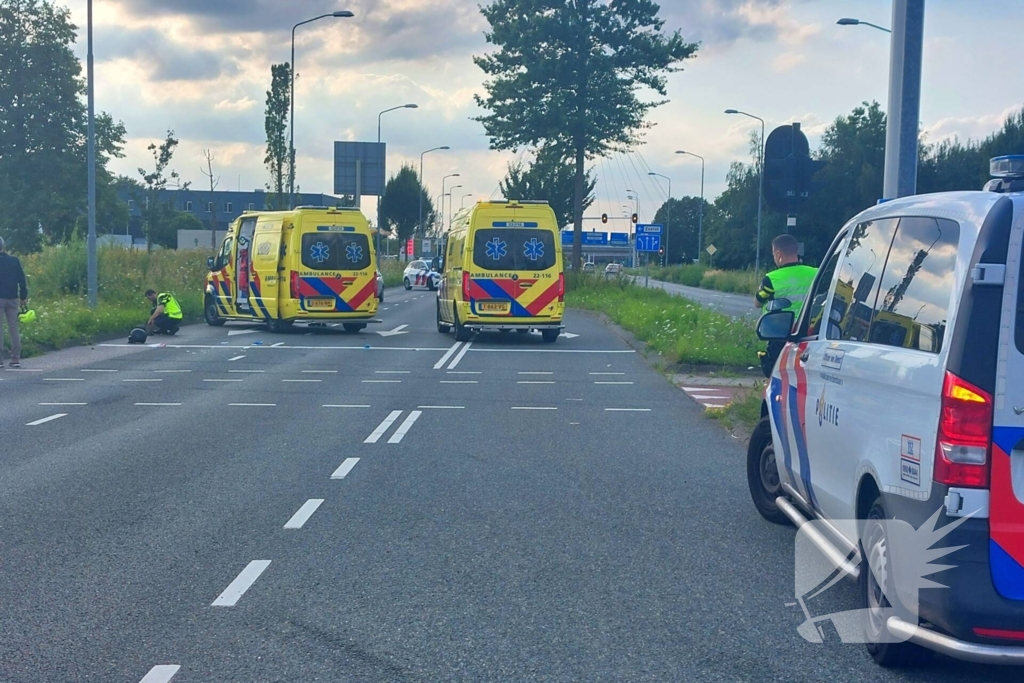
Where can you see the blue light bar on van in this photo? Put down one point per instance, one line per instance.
(336, 228)
(513, 224)
(1009, 166)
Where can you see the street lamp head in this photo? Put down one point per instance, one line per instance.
(732, 111)
(342, 14)
(847, 21)
(681, 152)
(445, 147)
(411, 106)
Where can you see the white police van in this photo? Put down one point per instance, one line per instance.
(900, 395)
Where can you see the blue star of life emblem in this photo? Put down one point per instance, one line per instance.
(496, 248)
(534, 249)
(354, 252)
(320, 252)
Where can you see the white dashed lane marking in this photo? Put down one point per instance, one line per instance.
(381, 381)
(344, 468)
(534, 408)
(459, 381)
(97, 370)
(221, 380)
(309, 381)
(63, 404)
(612, 382)
(155, 405)
(536, 373)
(235, 358)
(532, 382)
(46, 419)
(607, 373)
(304, 513)
(144, 380)
(162, 673)
(628, 410)
(441, 407)
(320, 372)
(233, 593)
(172, 372)
(252, 405)
(329, 405)
(63, 379)
(404, 428)
(383, 427)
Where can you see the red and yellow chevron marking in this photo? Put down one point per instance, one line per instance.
(350, 293)
(528, 297)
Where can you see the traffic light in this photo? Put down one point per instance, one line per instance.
(806, 169)
(604, 218)
(635, 218)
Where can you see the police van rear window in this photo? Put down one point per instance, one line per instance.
(514, 249)
(335, 251)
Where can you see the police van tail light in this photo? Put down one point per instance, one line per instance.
(293, 285)
(965, 432)
(561, 287)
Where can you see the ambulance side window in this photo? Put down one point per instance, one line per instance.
(225, 253)
(859, 278)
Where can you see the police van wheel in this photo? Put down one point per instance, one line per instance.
(461, 333)
(211, 314)
(550, 336)
(352, 328)
(876, 574)
(442, 326)
(408, 285)
(763, 473)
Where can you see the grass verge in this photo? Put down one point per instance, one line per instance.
(745, 413)
(693, 275)
(676, 328)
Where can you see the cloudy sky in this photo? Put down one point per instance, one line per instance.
(202, 68)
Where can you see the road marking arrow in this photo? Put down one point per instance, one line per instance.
(391, 333)
(569, 335)
(234, 333)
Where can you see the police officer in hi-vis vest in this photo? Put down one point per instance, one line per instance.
(166, 315)
(791, 280)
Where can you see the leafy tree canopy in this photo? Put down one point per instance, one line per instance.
(400, 205)
(551, 178)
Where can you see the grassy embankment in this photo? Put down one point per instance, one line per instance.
(392, 270)
(693, 275)
(680, 331)
(57, 286)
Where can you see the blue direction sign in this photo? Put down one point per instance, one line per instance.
(590, 239)
(648, 237)
(619, 239)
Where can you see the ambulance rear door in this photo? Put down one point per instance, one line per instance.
(264, 276)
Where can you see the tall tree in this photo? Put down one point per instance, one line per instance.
(552, 178)
(155, 214)
(276, 126)
(43, 127)
(214, 182)
(400, 204)
(567, 74)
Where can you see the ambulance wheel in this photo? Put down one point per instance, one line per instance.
(876, 573)
(763, 473)
(211, 314)
(461, 333)
(279, 326)
(408, 285)
(352, 328)
(550, 336)
(442, 326)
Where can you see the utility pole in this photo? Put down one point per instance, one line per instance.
(903, 123)
(92, 262)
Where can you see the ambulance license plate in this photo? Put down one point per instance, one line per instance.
(320, 304)
(494, 307)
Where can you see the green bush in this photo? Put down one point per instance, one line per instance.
(675, 327)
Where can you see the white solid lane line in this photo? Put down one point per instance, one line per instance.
(158, 404)
(244, 581)
(448, 354)
(63, 404)
(304, 513)
(628, 410)
(533, 408)
(383, 427)
(346, 406)
(46, 419)
(532, 382)
(252, 405)
(458, 358)
(162, 673)
(235, 358)
(612, 382)
(344, 468)
(277, 345)
(441, 407)
(90, 370)
(63, 379)
(405, 427)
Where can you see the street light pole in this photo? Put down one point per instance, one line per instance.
(423, 186)
(462, 204)
(668, 211)
(846, 21)
(345, 14)
(383, 163)
(700, 220)
(451, 204)
(760, 189)
(92, 262)
(443, 195)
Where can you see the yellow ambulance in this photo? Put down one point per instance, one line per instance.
(278, 267)
(503, 271)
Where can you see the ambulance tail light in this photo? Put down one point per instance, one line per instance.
(465, 284)
(561, 287)
(293, 285)
(965, 434)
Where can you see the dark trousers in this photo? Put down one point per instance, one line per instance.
(165, 325)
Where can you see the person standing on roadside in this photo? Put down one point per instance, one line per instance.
(13, 298)
(791, 280)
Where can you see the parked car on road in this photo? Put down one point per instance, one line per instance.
(589, 267)
(613, 269)
(900, 396)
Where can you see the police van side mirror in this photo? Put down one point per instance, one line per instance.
(775, 326)
(777, 305)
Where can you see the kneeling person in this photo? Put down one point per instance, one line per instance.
(165, 318)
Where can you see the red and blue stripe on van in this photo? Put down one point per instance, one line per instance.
(1006, 517)
(791, 409)
(222, 292)
(525, 301)
(333, 287)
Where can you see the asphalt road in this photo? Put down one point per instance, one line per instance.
(733, 305)
(504, 510)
